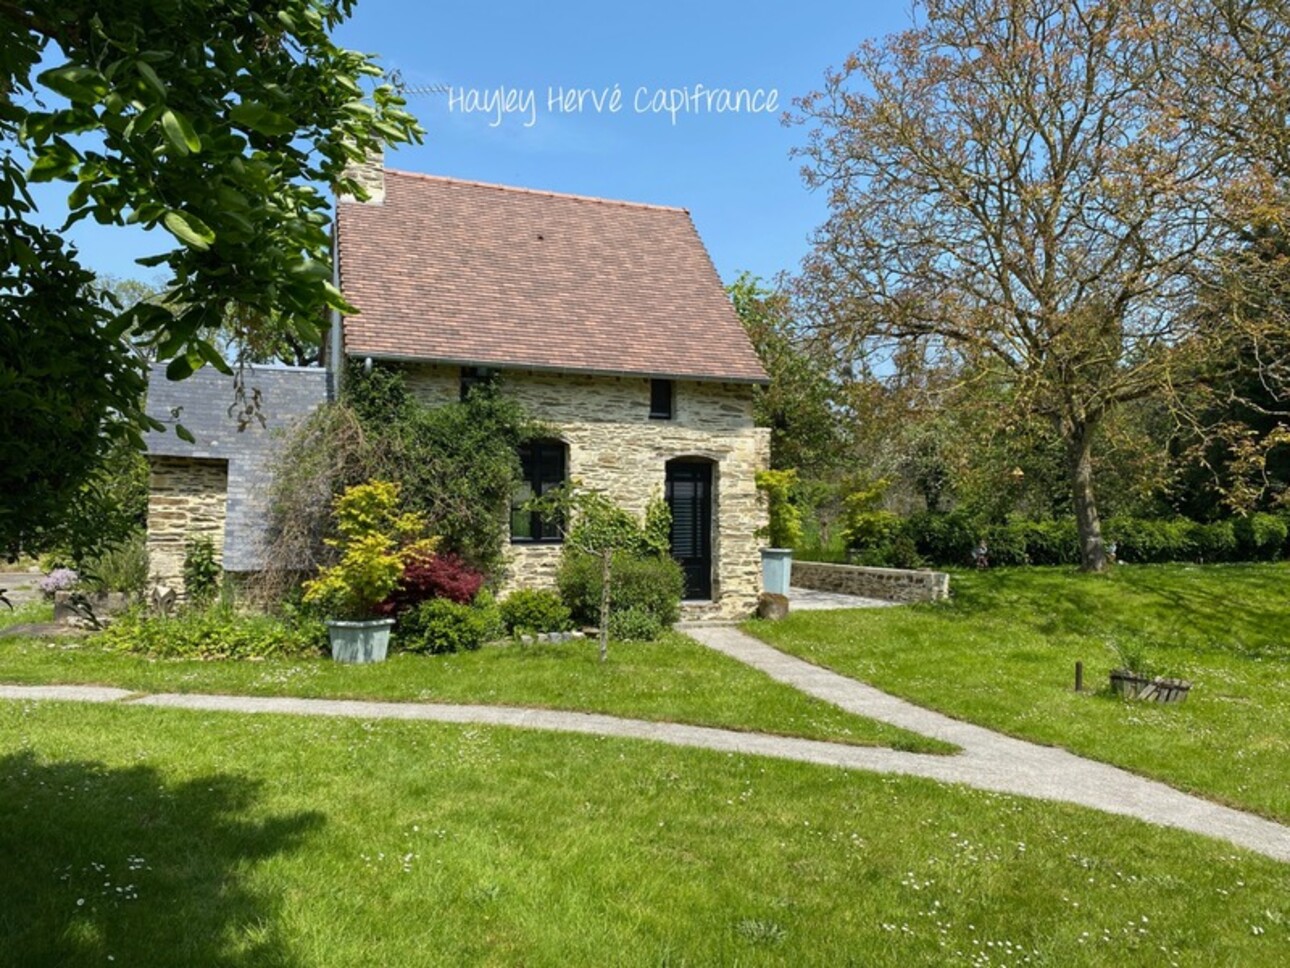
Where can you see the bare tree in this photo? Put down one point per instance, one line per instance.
(1006, 191)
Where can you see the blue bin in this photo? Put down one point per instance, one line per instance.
(776, 570)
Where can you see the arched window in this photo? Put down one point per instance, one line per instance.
(543, 464)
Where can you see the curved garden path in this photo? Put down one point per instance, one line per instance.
(988, 760)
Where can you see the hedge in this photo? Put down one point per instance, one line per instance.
(949, 539)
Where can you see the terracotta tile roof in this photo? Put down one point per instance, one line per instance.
(469, 273)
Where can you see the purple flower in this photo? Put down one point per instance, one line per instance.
(58, 580)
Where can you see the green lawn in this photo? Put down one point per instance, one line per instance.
(136, 836)
(674, 679)
(1002, 653)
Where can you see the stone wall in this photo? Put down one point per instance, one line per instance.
(614, 446)
(889, 584)
(187, 498)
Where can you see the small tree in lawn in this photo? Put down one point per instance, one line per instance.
(600, 528)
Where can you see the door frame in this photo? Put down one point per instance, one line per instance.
(700, 583)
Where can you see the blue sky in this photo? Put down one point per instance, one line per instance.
(732, 171)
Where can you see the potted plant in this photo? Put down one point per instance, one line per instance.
(1135, 679)
(1133, 675)
(375, 542)
(783, 530)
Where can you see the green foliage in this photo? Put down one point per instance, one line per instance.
(867, 526)
(948, 539)
(213, 632)
(202, 570)
(1131, 655)
(806, 430)
(1261, 537)
(375, 541)
(784, 529)
(326, 453)
(534, 610)
(457, 463)
(217, 127)
(71, 389)
(634, 625)
(379, 397)
(490, 614)
(121, 568)
(652, 584)
(439, 626)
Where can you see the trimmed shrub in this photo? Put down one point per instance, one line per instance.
(1006, 545)
(634, 625)
(1215, 541)
(439, 626)
(217, 632)
(1260, 537)
(945, 538)
(427, 576)
(491, 614)
(1147, 541)
(534, 610)
(652, 584)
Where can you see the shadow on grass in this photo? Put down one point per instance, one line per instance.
(106, 865)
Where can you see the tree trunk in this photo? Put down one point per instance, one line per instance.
(606, 569)
(1079, 444)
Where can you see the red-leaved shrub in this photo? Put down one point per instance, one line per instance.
(434, 576)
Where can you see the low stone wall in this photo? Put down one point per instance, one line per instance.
(889, 584)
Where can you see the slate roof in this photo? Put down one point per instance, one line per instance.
(287, 394)
(474, 274)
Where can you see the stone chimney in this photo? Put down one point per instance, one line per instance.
(370, 173)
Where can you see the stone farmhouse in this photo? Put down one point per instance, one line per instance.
(605, 319)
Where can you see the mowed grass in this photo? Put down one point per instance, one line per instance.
(1002, 653)
(141, 836)
(675, 679)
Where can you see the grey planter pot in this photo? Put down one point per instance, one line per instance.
(776, 570)
(360, 642)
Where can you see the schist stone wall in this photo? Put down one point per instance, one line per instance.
(614, 446)
(217, 483)
(187, 499)
(890, 584)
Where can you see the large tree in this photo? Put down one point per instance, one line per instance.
(1006, 191)
(222, 124)
(799, 405)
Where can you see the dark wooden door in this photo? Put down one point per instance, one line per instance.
(689, 495)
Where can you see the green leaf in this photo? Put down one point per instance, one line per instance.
(180, 132)
(183, 433)
(258, 117)
(179, 368)
(213, 357)
(80, 85)
(53, 163)
(150, 76)
(189, 229)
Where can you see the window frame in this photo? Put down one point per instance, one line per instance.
(470, 377)
(658, 387)
(536, 457)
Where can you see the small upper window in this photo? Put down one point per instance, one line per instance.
(660, 399)
(473, 376)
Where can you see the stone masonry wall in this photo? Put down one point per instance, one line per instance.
(616, 448)
(890, 584)
(187, 498)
